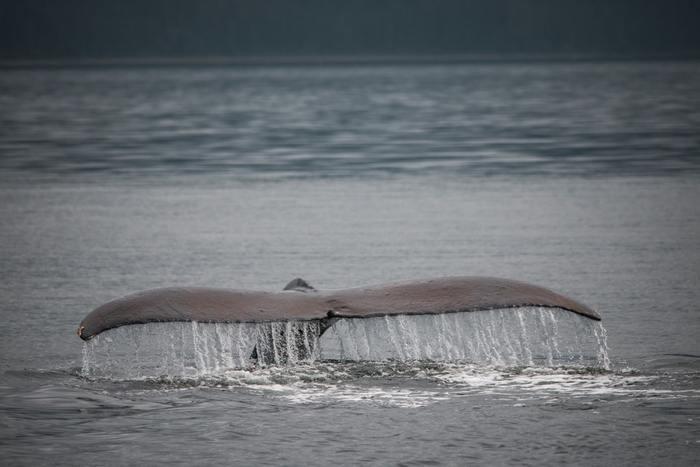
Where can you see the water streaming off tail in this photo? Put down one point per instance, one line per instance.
(193, 349)
(512, 337)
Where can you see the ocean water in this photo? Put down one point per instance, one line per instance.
(579, 177)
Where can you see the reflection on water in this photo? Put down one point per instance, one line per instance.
(472, 119)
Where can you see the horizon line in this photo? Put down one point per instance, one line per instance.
(339, 59)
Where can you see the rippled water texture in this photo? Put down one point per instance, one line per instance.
(586, 119)
(582, 178)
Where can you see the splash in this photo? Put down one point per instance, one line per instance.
(528, 336)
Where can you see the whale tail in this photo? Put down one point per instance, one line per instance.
(301, 302)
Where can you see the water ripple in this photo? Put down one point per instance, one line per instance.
(585, 119)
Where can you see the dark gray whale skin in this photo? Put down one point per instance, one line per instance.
(299, 301)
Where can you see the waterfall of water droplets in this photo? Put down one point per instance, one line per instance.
(193, 349)
(525, 336)
(512, 337)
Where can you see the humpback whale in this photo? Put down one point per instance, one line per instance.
(300, 301)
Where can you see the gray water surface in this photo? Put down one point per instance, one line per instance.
(580, 178)
(559, 119)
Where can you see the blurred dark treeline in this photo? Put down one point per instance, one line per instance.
(83, 29)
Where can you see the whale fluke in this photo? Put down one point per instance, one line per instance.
(443, 295)
(299, 284)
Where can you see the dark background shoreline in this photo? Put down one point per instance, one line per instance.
(336, 60)
(246, 30)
